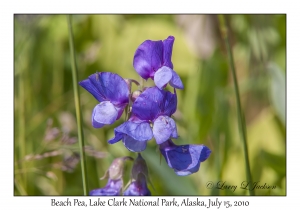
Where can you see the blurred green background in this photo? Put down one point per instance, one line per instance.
(46, 154)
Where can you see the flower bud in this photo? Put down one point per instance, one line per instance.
(116, 168)
(139, 166)
(135, 94)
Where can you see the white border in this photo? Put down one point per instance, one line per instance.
(8, 8)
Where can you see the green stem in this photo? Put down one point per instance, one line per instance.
(142, 84)
(77, 106)
(22, 120)
(241, 120)
(127, 109)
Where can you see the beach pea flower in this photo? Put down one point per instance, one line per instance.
(112, 92)
(115, 182)
(153, 106)
(152, 59)
(134, 133)
(139, 176)
(184, 159)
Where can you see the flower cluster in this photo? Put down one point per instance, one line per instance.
(151, 111)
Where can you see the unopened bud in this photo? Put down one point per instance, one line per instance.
(116, 168)
(139, 166)
(135, 95)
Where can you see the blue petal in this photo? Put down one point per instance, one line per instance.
(154, 102)
(168, 47)
(103, 114)
(117, 138)
(96, 124)
(106, 86)
(170, 104)
(176, 81)
(205, 152)
(184, 159)
(120, 108)
(183, 173)
(162, 77)
(91, 88)
(134, 145)
(164, 128)
(146, 106)
(148, 58)
(140, 131)
(112, 188)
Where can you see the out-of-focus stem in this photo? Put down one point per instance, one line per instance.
(77, 107)
(21, 129)
(241, 120)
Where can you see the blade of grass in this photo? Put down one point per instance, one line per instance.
(241, 120)
(77, 107)
(22, 144)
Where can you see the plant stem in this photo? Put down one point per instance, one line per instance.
(241, 120)
(77, 107)
(142, 84)
(21, 129)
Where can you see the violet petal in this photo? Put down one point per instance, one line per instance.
(118, 136)
(176, 81)
(139, 131)
(134, 145)
(148, 58)
(112, 188)
(154, 102)
(162, 77)
(168, 48)
(106, 86)
(164, 128)
(184, 159)
(103, 114)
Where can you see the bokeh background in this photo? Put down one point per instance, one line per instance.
(46, 154)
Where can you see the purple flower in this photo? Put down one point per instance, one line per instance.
(152, 106)
(152, 59)
(138, 187)
(113, 187)
(184, 159)
(112, 92)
